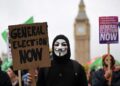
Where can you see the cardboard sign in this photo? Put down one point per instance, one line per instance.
(29, 45)
(108, 29)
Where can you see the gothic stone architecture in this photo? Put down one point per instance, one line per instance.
(82, 35)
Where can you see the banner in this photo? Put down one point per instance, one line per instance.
(108, 29)
(29, 45)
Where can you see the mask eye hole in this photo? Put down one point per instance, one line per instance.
(64, 44)
(56, 44)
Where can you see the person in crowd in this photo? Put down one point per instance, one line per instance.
(0, 61)
(63, 70)
(108, 75)
(89, 76)
(13, 76)
(4, 78)
(27, 78)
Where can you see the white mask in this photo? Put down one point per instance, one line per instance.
(60, 47)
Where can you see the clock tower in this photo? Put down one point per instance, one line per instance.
(82, 35)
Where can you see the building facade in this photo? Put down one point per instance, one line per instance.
(82, 35)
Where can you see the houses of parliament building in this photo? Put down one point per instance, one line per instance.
(82, 35)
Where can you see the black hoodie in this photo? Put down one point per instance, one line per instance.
(61, 72)
(65, 57)
(4, 79)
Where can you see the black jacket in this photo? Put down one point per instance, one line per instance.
(62, 75)
(99, 80)
(4, 79)
(62, 71)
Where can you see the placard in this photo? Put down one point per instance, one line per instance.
(29, 45)
(108, 29)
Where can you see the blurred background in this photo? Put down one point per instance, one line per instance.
(61, 16)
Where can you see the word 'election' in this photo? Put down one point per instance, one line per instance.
(30, 42)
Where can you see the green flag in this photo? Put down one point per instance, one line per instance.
(4, 33)
(29, 21)
(6, 64)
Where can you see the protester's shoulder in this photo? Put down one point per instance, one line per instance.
(3, 73)
(76, 63)
(117, 72)
(99, 71)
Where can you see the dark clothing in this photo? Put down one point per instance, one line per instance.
(62, 71)
(62, 74)
(4, 79)
(98, 78)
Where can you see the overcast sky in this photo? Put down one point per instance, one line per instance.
(60, 15)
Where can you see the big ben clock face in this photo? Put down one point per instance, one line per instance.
(80, 30)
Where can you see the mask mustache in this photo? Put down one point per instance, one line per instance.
(60, 51)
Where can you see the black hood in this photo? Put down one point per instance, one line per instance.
(65, 57)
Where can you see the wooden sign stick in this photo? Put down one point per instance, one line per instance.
(19, 75)
(109, 64)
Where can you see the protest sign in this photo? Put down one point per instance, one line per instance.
(29, 45)
(108, 29)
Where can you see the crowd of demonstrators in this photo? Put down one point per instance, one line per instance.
(4, 78)
(106, 76)
(63, 70)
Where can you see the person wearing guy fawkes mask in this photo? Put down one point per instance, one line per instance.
(62, 71)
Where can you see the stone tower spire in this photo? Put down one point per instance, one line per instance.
(81, 13)
(82, 35)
